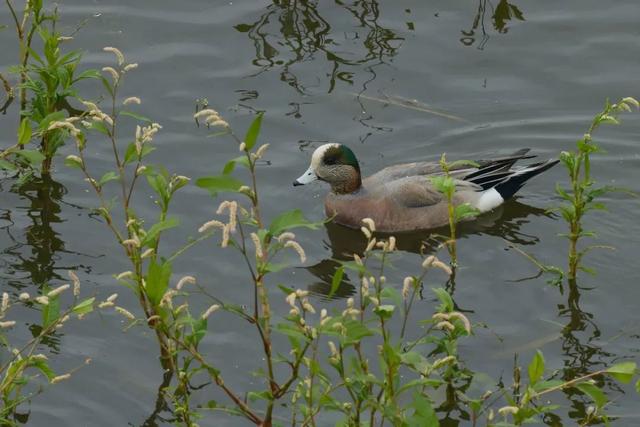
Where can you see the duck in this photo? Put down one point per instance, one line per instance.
(402, 197)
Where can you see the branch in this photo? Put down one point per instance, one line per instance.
(15, 19)
(10, 96)
(569, 383)
(220, 383)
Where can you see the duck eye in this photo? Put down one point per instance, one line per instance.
(330, 161)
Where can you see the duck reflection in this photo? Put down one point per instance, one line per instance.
(343, 242)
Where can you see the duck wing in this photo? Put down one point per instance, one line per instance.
(461, 171)
(419, 192)
(405, 170)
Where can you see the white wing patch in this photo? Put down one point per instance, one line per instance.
(490, 199)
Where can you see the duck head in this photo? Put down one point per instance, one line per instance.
(335, 164)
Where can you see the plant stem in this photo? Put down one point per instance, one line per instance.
(9, 92)
(220, 383)
(452, 230)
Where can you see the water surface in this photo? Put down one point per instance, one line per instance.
(500, 76)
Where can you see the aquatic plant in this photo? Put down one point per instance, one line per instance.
(267, 240)
(583, 194)
(26, 25)
(47, 82)
(446, 185)
(21, 362)
(149, 275)
(524, 398)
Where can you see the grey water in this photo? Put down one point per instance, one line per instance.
(396, 81)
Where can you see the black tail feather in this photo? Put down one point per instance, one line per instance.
(500, 164)
(500, 174)
(489, 181)
(510, 185)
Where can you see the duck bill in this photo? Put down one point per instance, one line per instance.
(305, 178)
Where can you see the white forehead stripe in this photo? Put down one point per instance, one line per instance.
(316, 158)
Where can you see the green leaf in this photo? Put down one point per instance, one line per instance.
(254, 130)
(99, 127)
(422, 382)
(465, 211)
(288, 220)
(563, 193)
(385, 311)
(391, 355)
(216, 184)
(24, 132)
(33, 157)
(262, 395)
(135, 116)
(291, 331)
(536, 368)
(7, 165)
(285, 289)
(623, 371)
(73, 162)
(84, 307)
(416, 360)
(157, 281)
(109, 176)
(597, 395)
(272, 267)
(177, 182)
(159, 183)
(50, 118)
(150, 238)
(544, 385)
(43, 367)
(423, 415)
(475, 405)
(231, 164)
(445, 299)
(355, 331)
(444, 184)
(336, 281)
(51, 312)
(131, 153)
(88, 74)
(198, 331)
(107, 85)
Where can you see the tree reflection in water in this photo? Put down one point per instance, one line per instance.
(290, 32)
(502, 13)
(31, 255)
(583, 353)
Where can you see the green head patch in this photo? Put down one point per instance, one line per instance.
(340, 155)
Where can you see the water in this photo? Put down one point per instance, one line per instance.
(502, 76)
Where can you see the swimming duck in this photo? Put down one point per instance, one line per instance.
(402, 198)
